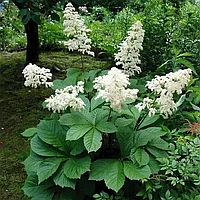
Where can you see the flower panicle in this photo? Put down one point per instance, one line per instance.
(165, 87)
(129, 50)
(36, 76)
(75, 28)
(112, 88)
(66, 97)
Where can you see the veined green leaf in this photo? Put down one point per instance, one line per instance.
(92, 140)
(75, 167)
(99, 169)
(23, 12)
(62, 180)
(187, 64)
(181, 100)
(43, 149)
(60, 84)
(78, 131)
(115, 176)
(125, 139)
(109, 170)
(88, 86)
(106, 127)
(142, 137)
(123, 122)
(100, 115)
(96, 102)
(142, 157)
(154, 165)
(73, 72)
(73, 118)
(76, 147)
(51, 132)
(135, 112)
(93, 73)
(30, 132)
(31, 187)
(158, 153)
(149, 120)
(159, 143)
(32, 162)
(47, 168)
(134, 172)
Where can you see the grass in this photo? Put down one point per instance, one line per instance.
(21, 109)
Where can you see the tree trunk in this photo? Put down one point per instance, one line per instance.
(32, 51)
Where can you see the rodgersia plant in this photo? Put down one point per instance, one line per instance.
(95, 139)
(97, 142)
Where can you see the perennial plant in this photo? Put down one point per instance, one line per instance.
(97, 140)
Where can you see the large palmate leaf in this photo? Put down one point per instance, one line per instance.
(43, 149)
(78, 131)
(125, 139)
(96, 102)
(159, 143)
(47, 168)
(99, 169)
(142, 137)
(31, 187)
(73, 118)
(62, 180)
(32, 163)
(124, 122)
(141, 156)
(92, 140)
(134, 172)
(158, 153)
(75, 167)
(51, 132)
(115, 177)
(106, 127)
(76, 147)
(149, 120)
(111, 171)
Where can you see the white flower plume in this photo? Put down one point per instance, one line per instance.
(128, 54)
(75, 28)
(36, 76)
(147, 104)
(67, 97)
(166, 86)
(112, 88)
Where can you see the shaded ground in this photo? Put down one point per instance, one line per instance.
(20, 108)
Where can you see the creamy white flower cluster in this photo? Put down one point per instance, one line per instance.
(112, 88)
(128, 54)
(75, 28)
(166, 86)
(147, 104)
(67, 97)
(36, 76)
